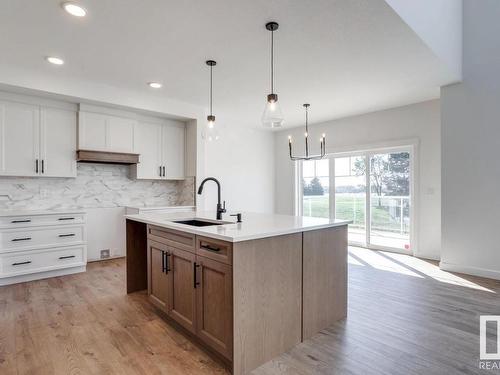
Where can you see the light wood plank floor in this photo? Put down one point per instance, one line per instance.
(405, 317)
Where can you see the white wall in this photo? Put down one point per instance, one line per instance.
(439, 25)
(243, 161)
(471, 141)
(418, 122)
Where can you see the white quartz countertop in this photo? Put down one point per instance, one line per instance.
(253, 226)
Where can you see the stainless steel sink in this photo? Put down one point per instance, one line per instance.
(199, 222)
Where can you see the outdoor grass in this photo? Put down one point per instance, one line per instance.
(352, 208)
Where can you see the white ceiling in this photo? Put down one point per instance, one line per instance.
(343, 56)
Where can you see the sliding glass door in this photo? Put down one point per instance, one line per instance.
(350, 195)
(390, 200)
(372, 189)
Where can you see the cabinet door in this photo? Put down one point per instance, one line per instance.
(148, 145)
(120, 134)
(92, 131)
(19, 139)
(173, 150)
(58, 142)
(214, 305)
(158, 281)
(182, 301)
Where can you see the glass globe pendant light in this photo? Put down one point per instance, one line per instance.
(210, 132)
(272, 116)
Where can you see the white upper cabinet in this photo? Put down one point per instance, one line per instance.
(161, 147)
(148, 144)
(58, 142)
(20, 139)
(120, 134)
(105, 132)
(92, 131)
(174, 135)
(37, 140)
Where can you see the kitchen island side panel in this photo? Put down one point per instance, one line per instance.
(324, 278)
(267, 294)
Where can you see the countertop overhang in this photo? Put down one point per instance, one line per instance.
(254, 225)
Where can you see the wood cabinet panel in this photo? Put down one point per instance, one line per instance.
(212, 248)
(324, 279)
(267, 295)
(158, 284)
(181, 240)
(182, 300)
(214, 324)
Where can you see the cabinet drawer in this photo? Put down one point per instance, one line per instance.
(212, 248)
(181, 240)
(12, 239)
(43, 260)
(38, 220)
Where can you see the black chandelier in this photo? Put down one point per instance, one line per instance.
(306, 134)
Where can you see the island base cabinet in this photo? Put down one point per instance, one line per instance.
(158, 283)
(214, 308)
(182, 268)
(324, 296)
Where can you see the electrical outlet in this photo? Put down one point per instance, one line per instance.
(105, 253)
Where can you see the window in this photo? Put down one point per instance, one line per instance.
(315, 188)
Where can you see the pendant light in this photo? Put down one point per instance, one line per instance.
(211, 133)
(322, 143)
(272, 116)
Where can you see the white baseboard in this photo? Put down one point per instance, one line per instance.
(475, 271)
(41, 275)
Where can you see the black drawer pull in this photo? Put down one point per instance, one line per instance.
(21, 221)
(21, 263)
(210, 248)
(67, 235)
(195, 283)
(67, 257)
(21, 239)
(66, 218)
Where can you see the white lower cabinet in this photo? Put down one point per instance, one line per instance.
(43, 244)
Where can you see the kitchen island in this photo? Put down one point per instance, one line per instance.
(245, 291)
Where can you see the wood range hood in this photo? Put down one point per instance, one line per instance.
(106, 157)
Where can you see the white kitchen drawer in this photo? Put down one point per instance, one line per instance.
(21, 221)
(25, 262)
(40, 237)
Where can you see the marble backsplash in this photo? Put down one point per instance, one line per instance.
(96, 186)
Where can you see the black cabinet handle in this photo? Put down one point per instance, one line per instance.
(209, 248)
(195, 283)
(67, 235)
(36, 166)
(160, 170)
(21, 239)
(21, 221)
(167, 266)
(163, 171)
(67, 257)
(43, 169)
(21, 263)
(66, 218)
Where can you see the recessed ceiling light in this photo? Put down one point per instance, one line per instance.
(155, 85)
(74, 9)
(55, 60)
